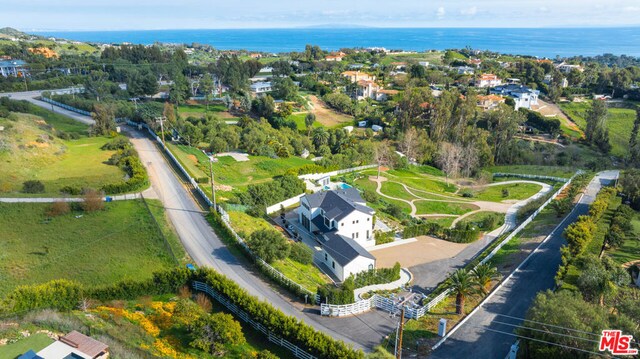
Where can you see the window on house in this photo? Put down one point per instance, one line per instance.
(326, 257)
(353, 235)
(368, 234)
(357, 233)
(370, 266)
(342, 224)
(368, 219)
(333, 264)
(358, 221)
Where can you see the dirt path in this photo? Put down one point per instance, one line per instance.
(549, 109)
(325, 115)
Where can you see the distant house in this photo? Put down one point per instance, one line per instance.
(475, 62)
(567, 68)
(488, 80)
(523, 96)
(255, 55)
(399, 66)
(384, 95)
(13, 68)
(465, 70)
(260, 87)
(490, 102)
(423, 63)
(355, 76)
(343, 226)
(366, 89)
(74, 345)
(355, 66)
(335, 58)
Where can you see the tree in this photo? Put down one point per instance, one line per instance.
(169, 114)
(96, 84)
(503, 125)
(192, 134)
(92, 201)
(417, 71)
(382, 155)
(320, 136)
(579, 234)
(207, 86)
(285, 110)
(284, 88)
(483, 275)
(32, 186)
(596, 132)
(105, 120)
(213, 331)
(449, 159)
(179, 91)
(264, 106)
(268, 244)
(461, 283)
(187, 313)
(309, 120)
(630, 182)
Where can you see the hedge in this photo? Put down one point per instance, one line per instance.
(376, 276)
(137, 176)
(463, 233)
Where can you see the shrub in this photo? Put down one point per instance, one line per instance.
(301, 253)
(467, 193)
(92, 201)
(32, 186)
(376, 276)
(118, 143)
(370, 196)
(269, 244)
(71, 190)
(383, 237)
(331, 294)
(505, 192)
(393, 210)
(58, 294)
(213, 331)
(58, 208)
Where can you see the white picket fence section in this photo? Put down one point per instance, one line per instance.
(413, 312)
(286, 203)
(519, 175)
(315, 176)
(273, 337)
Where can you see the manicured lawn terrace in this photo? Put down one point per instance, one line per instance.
(480, 216)
(298, 118)
(98, 248)
(431, 207)
(619, 123)
(55, 162)
(517, 191)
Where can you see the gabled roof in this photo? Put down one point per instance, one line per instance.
(344, 250)
(338, 204)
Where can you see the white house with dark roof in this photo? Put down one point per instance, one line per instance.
(343, 225)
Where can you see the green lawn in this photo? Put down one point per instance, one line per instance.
(417, 178)
(478, 217)
(201, 108)
(396, 190)
(245, 224)
(551, 171)
(230, 172)
(35, 342)
(34, 154)
(517, 191)
(121, 242)
(619, 123)
(365, 183)
(298, 118)
(430, 207)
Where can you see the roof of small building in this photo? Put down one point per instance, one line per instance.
(344, 250)
(12, 63)
(83, 343)
(492, 97)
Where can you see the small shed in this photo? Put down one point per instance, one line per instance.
(376, 128)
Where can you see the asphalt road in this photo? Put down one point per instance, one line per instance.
(479, 337)
(31, 97)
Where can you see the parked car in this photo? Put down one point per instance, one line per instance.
(191, 267)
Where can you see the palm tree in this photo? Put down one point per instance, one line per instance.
(483, 275)
(461, 283)
(320, 136)
(309, 119)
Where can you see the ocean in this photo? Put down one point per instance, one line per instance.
(542, 42)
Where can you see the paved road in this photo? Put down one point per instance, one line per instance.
(31, 97)
(429, 275)
(477, 338)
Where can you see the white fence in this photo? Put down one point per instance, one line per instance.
(273, 337)
(286, 203)
(315, 176)
(411, 311)
(556, 179)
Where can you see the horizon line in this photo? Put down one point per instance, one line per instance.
(346, 27)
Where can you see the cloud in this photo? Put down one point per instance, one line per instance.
(543, 9)
(469, 11)
(632, 8)
(440, 13)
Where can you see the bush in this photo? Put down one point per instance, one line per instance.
(71, 190)
(376, 276)
(58, 294)
(505, 192)
(59, 208)
(301, 253)
(213, 331)
(32, 186)
(370, 196)
(137, 176)
(118, 143)
(269, 244)
(383, 237)
(92, 201)
(266, 194)
(393, 210)
(467, 193)
(331, 294)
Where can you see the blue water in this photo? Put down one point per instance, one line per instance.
(537, 42)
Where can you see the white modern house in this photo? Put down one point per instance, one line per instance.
(13, 68)
(343, 226)
(522, 95)
(488, 80)
(259, 88)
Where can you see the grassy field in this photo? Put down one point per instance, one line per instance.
(480, 216)
(434, 58)
(551, 171)
(33, 153)
(619, 123)
(298, 118)
(121, 242)
(517, 191)
(199, 110)
(396, 190)
(430, 207)
(229, 172)
(415, 178)
(35, 342)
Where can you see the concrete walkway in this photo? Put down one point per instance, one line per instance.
(405, 277)
(148, 193)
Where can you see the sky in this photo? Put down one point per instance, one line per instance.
(32, 15)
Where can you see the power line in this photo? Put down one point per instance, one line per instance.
(546, 331)
(541, 341)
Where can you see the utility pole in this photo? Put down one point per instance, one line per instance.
(162, 119)
(213, 187)
(399, 335)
